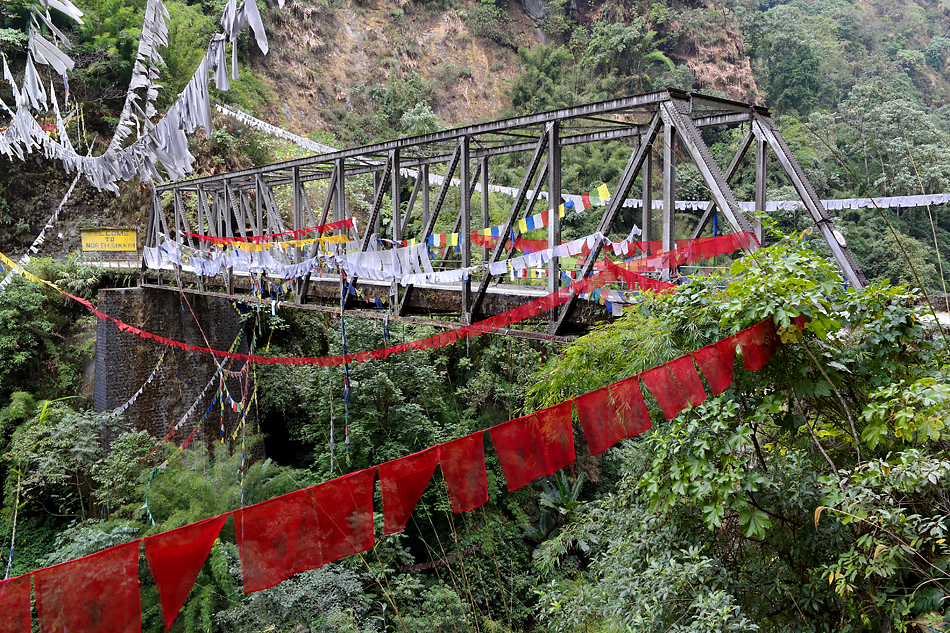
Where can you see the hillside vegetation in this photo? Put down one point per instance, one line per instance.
(810, 495)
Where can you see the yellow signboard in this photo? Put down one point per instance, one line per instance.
(110, 240)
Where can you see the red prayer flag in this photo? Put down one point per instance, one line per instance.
(667, 391)
(277, 539)
(345, 511)
(519, 450)
(97, 593)
(557, 433)
(402, 482)
(599, 419)
(757, 344)
(15, 605)
(175, 559)
(685, 373)
(628, 401)
(463, 468)
(717, 368)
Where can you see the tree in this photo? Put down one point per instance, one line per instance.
(714, 512)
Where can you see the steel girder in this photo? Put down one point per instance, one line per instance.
(269, 198)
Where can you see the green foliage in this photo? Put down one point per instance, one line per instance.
(559, 503)
(490, 20)
(711, 520)
(323, 600)
(193, 486)
(794, 81)
(12, 39)
(189, 30)
(419, 120)
(25, 332)
(88, 537)
(63, 461)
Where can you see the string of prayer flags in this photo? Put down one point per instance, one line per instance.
(463, 469)
(277, 539)
(269, 237)
(15, 605)
(175, 559)
(99, 592)
(305, 529)
(402, 482)
(534, 445)
(529, 273)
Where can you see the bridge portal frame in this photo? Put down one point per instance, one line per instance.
(245, 203)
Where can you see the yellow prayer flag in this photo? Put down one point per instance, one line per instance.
(603, 192)
(16, 268)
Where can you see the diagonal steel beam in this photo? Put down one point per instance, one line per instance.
(722, 194)
(765, 128)
(532, 167)
(411, 203)
(377, 205)
(630, 173)
(744, 146)
(331, 186)
(434, 216)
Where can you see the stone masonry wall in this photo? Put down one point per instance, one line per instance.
(124, 361)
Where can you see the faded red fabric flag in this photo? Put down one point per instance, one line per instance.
(277, 539)
(175, 559)
(757, 343)
(345, 513)
(520, 451)
(557, 433)
(667, 391)
(97, 593)
(599, 420)
(716, 369)
(632, 410)
(402, 482)
(15, 605)
(685, 373)
(463, 468)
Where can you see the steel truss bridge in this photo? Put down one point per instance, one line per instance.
(658, 126)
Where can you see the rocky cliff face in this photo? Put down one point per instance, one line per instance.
(323, 68)
(324, 62)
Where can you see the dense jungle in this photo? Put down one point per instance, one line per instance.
(810, 495)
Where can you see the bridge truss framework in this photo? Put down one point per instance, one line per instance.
(246, 203)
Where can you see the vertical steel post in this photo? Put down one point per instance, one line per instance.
(465, 230)
(486, 218)
(425, 197)
(669, 187)
(339, 200)
(377, 183)
(298, 210)
(646, 213)
(258, 204)
(761, 162)
(396, 195)
(554, 202)
(338, 196)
